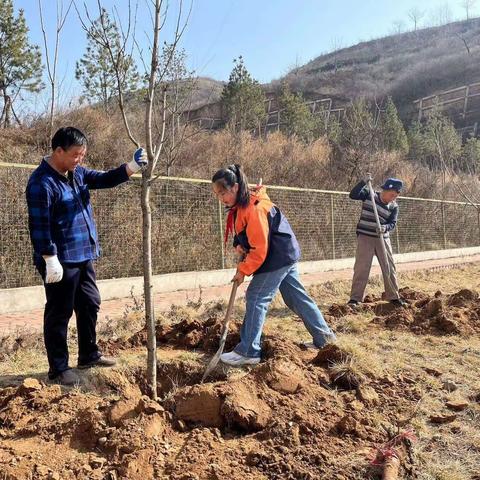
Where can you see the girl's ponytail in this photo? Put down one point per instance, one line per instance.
(228, 177)
(243, 197)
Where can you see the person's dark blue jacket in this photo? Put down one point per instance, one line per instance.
(265, 234)
(60, 214)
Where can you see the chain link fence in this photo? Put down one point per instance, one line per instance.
(188, 224)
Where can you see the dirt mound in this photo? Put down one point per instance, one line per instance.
(186, 328)
(282, 375)
(463, 298)
(457, 314)
(330, 354)
(199, 331)
(411, 296)
(20, 340)
(266, 423)
(236, 405)
(85, 436)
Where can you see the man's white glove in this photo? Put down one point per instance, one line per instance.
(139, 160)
(382, 229)
(54, 270)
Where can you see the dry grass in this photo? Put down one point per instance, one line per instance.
(448, 451)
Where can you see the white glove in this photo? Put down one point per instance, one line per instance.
(382, 229)
(139, 160)
(54, 271)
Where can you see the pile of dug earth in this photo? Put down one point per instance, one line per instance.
(457, 314)
(300, 414)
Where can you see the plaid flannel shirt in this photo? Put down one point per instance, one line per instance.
(60, 214)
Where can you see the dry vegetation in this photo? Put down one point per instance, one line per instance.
(332, 410)
(406, 66)
(278, 159)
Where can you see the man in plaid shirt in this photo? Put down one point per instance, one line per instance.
(65, 243)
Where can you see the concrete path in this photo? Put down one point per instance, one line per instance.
(115, 308)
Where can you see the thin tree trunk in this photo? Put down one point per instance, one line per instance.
(148, 288)
(2, 116)
(52, 110)
(147, 215)
(8, 110)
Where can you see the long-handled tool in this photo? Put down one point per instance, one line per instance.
(214, 361)
(386, 252)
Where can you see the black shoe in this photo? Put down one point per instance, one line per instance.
(398, 302)
(102, 361)
(353, 303)
(67, 378)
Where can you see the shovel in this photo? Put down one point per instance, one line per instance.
(214, 361)
(386, 254)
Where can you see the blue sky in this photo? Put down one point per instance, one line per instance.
(272, 35)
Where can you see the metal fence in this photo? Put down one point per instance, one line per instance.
(188, 226)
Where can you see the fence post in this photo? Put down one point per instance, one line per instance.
(444, 227)
(332, 220)
(478, 221)
(397, 238)
(220, 229)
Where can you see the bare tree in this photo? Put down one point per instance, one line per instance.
(336, 45)
(442, 14)
(52, 63)
(179, 85)
(398, 26)
(468, 5)
(154, 129)
(415, 15)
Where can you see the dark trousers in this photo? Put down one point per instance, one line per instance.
(76, 292)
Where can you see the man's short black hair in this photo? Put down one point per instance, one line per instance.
(67, 137)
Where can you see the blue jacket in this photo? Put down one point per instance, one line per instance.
(60, 216)
(265, 234)
(387, 213)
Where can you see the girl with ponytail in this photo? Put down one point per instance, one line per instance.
(270, 252)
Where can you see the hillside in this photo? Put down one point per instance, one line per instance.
(207, 90)
(406, 66)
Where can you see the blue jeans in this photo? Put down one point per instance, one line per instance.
(260, 293)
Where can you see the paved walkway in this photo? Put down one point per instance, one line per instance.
(115, 308)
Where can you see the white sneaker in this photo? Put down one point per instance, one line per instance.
(236, 360)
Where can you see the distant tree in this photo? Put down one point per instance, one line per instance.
(393, 133)
(416, 142)
(178, 84)
(436, 143)
(398, 26)
(442, 14)
(468, 6)
(296, 118)
(295, 66)
(359, 127)
(337, 45)
(52, 60)
(328, 125)
(20, 61)
(470, 161)
(415, 15)
(243, 99)
(104, 57)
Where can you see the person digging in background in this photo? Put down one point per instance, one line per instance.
(65, 243)
(270, 252)
(369, 237)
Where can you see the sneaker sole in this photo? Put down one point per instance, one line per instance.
(243, 364)
(102, 365)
